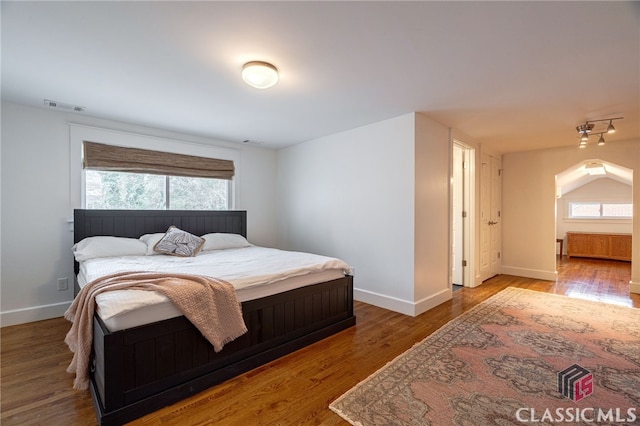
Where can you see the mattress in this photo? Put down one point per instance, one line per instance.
(254, 272)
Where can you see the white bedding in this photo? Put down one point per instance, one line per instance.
(254, 272)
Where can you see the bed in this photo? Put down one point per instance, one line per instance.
(139, 369)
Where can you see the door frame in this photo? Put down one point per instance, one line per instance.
(468, 188)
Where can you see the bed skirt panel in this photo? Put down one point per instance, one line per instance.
(142, 369)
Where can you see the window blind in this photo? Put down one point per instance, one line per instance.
(103, 157)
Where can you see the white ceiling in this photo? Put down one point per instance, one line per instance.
(512, 75)
(576, 176)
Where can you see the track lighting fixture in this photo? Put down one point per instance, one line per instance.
(585, 130)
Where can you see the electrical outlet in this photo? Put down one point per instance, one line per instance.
(63, 284)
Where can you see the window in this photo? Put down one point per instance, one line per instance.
(137, 191)
(595, 210)
(133, 178)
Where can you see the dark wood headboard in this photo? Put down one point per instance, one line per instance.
(135, 223)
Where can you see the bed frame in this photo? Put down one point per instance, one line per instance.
(142, 369)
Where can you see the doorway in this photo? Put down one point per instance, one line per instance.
(462, 196)
(594, 196)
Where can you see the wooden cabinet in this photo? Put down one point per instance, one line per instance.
(599, 245)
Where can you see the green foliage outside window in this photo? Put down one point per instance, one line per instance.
(136, 191)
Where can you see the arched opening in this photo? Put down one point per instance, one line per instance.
(594, 197)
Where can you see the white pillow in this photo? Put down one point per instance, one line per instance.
(151, 240)
(220, 241)
(93, 247)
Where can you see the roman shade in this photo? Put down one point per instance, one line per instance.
(103, 157)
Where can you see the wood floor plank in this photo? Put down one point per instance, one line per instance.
(295, 389)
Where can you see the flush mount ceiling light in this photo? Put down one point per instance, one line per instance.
(595, 169)
(260, 75)
(585, 130)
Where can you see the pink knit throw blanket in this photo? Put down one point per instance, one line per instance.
(210, 304)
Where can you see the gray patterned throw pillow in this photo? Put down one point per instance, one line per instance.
(177, 242)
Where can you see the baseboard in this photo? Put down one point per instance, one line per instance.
(38, 313)
(530, 273)
(399, 305)
(634, 287)
(383, 301)
(432, 301)
(477, 280)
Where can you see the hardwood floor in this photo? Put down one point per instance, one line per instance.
(293, 390)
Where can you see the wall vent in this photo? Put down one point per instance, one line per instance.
(61, 105)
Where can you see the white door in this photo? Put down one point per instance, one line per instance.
(490, 216)
(496, 215)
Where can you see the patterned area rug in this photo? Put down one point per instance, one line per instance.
(520, 357)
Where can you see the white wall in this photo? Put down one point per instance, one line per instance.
(432, 206)
(39, 191)
(529, 225)
(350, 195)
(603, 189)
(353, 195)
